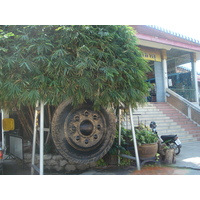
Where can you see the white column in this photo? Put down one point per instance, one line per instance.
(159, 87)
(194, 77)
(4, 114)
(41, 138)
(3, 140)
(119, 139)
(34, 138)
(165, 76)
(134, 139)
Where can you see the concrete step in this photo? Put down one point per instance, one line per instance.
(171, 131)
(168, 120)
(152, 117)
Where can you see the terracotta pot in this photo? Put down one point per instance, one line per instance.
(148, 150)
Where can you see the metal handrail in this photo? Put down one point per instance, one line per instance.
(182, 99)
(186, 93)
(189, 104)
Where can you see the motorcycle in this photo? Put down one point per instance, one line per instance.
(170, 140)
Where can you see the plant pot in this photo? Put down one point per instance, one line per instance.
(148, 150)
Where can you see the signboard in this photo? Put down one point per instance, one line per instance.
(8, 124)
(151, 54)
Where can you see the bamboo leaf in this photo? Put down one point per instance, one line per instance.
(97, 62)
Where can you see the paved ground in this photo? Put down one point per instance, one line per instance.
(187, 163)
(189, 156)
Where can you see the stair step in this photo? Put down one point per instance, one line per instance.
(168, 120)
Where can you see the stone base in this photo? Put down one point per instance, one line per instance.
(57, 163)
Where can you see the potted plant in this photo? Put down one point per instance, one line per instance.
(147, 141)
(111, 158)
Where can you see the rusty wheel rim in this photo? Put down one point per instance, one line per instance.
(84, 128)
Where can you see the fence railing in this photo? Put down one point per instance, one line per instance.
(188, 94)
(183, 105)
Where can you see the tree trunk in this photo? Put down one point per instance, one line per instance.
(26, 117)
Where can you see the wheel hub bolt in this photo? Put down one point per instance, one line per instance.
(76, 118)
(98, 127)
(86, 113)
(95, 117)
(73, 128)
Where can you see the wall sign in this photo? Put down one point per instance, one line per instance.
(151, 54)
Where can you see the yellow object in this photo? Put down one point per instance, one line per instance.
(8, 124)
(151, 54)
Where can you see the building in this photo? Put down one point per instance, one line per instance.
(170, 55)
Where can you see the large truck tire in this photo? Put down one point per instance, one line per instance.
(81, 134)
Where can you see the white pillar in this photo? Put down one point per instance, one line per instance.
(41, 138)
(159, 87)
(4, 114)
(165, 76)
(134, 139)
(3, 140)
(34, 138)
(194, 78)
(119, 136)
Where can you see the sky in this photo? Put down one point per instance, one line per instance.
(190, 30)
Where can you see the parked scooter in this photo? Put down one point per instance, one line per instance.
(170, 140)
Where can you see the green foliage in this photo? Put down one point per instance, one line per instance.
(101, 162)
(144, 135)
(126, 138)
(125, 161)
(157, 157)
(4, 35)
(54, 63)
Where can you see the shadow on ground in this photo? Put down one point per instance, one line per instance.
(12, 167)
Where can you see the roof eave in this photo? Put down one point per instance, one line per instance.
(168, 42)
